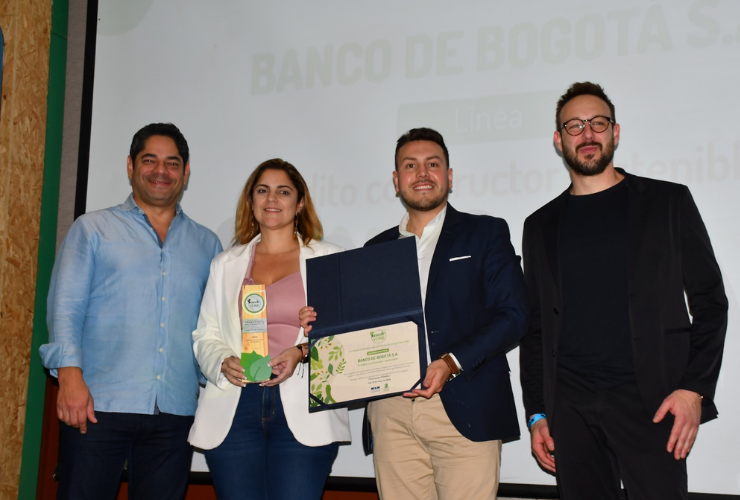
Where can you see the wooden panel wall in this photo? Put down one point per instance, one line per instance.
(26, 27)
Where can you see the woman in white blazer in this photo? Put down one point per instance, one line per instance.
(259, 439)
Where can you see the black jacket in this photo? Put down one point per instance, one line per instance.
(669, 254)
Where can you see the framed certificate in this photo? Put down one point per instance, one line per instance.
(368, 340)
(364, 364)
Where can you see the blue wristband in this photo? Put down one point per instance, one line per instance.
(535, 418)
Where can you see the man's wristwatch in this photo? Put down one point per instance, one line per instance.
(454, 370)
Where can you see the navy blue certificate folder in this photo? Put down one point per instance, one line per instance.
(362, 289)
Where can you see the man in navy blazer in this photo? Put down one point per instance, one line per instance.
(443, 440)
(616, 377)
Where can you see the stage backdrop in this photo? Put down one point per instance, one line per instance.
(330, 85)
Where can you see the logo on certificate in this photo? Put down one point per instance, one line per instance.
(254, 303)
(377, 336)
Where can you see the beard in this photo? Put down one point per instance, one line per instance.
(425, 204)
(591, 166)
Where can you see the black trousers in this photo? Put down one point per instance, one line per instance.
(155, 446)
(602, 435)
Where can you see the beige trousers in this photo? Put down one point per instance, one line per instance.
(418, 453)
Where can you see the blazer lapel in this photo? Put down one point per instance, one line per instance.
(305, 253)
(441, 251)
(234, 272)
(551, 236)
(636, 230)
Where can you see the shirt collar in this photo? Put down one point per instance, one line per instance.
(130, 204)
(430, 228)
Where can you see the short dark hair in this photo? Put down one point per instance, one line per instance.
(164, 129)
(583, 88)
(422, 134)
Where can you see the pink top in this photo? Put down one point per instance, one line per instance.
(285, 298)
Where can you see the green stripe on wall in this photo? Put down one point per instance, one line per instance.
(47, 247)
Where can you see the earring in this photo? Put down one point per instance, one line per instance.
(295, 224)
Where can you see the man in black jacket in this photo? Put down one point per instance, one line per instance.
(616, 376)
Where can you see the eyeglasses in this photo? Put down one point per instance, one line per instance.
(576, 126)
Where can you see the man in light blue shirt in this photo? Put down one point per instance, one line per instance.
(123, 302)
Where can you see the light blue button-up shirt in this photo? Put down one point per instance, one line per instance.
(122, 308)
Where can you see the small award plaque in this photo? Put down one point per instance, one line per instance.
(255, 354)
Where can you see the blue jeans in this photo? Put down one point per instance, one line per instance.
(260, 458)
(156, 447)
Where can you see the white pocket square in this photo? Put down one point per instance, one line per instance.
(460, 258)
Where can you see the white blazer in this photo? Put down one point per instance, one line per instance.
(219, 336)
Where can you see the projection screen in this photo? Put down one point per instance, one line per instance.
(330, 85)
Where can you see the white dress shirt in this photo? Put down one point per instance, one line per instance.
(425, 247)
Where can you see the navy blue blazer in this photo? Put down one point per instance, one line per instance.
(476, 308)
